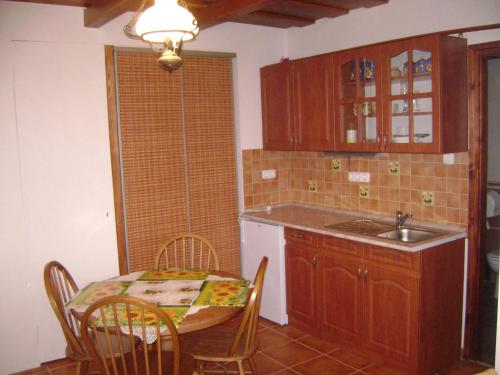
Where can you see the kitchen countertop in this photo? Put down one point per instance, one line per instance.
(314, 219)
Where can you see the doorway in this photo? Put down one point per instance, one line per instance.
(481, 309)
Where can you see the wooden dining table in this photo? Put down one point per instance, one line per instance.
(205, 317)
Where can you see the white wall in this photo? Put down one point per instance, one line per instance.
(493, 119)
(56, 197)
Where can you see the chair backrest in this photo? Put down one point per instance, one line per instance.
(105, 329)
(61, 287)
(187, 250)
(247, 329)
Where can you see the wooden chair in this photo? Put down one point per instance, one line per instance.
(187, 250)
(228, 343)
(61, 287)
(99, 327)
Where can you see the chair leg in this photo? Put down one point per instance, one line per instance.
(240, 368)
(197, 368)
(253, 367)
(82, 368)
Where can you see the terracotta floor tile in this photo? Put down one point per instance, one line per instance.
(291, 353)
(289, 331)
(349, 358)
(270, 338)
(287, 372)
(318, 344)
(265, 365)
(58, 363)
(464, 368)
(376, 369)
(323, 366)
(35, 371)
(264, 323)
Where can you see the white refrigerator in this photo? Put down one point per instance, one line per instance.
(258, 240)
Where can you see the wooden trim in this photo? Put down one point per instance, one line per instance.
(224, 10)
(101, 12)
(109, 52)
(471, 29)
(444, 32)
(230, 55)
(478, 133)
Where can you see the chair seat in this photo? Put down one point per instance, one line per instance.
(213, 344)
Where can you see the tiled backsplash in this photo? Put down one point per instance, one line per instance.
(419, 183)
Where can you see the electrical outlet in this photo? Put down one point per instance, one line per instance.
(448, 158)
(359, 176)
(268, 174)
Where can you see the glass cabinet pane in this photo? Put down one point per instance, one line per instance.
(400, 132)
(422, 71)
(422, 120)
(349, 122)
(399, 78)
(368, 112)
(367, 77)
(348, 80)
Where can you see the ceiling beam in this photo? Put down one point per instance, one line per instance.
(224, 10)
(101, 12)
(273, 19)
(325, 10)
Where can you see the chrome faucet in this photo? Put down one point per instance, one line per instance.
(401, 219)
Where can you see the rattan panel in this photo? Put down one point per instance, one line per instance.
(157, 196)
(152, 152)
(210, 138)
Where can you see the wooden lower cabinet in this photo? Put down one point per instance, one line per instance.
(391, 313)
(402, 309)
(302, 297)
(340, 308)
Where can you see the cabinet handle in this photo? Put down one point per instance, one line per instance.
(299, 236)
(363, 140)
(314, 260)
(379, 138)
(366, 273)
(385, 139)
(359, 272)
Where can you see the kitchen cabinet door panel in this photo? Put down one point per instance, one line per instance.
(313, 90)
(391, 303)
(277, 112)
(340, 311)
(301, 284)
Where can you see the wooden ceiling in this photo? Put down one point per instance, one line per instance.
(274, 13)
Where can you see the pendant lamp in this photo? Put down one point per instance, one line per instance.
(166, 25)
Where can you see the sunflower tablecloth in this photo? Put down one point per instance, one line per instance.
(178, 292)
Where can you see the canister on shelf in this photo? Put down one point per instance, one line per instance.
(351, 132)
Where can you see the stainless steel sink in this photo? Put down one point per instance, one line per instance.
(406, 234)
(373, 228)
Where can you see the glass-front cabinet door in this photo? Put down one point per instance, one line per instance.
(410, 115)
(358, 95)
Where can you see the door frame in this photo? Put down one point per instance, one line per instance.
(478, 54)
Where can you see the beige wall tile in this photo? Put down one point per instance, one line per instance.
(387, 192)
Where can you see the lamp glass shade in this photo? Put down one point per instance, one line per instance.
(166, 21)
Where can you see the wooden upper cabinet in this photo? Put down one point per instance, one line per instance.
(404, 96)
(297, 105)
(313, 104)
(358, 93)
(277, 114)
(425, 95)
